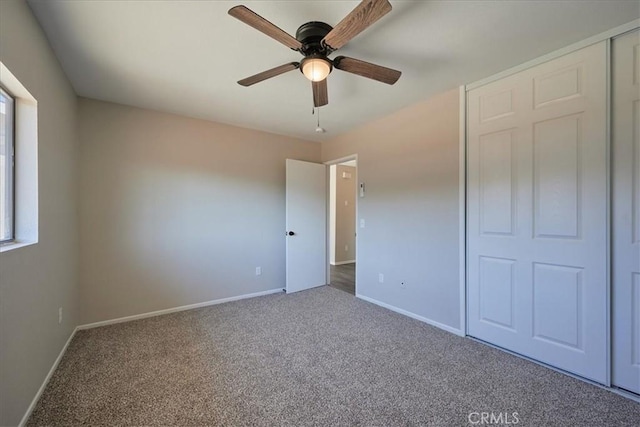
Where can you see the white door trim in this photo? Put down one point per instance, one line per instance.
(342, 160)
(462, 208)
(335, 162)
(609, 195)
(629, 26)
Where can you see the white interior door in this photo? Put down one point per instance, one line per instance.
(306, 213)
(537, 213)
(626, 212)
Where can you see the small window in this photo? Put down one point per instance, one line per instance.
(7, 109)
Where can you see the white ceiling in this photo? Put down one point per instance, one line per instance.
(185, 57)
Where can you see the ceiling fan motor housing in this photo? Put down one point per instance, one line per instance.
(311, 35)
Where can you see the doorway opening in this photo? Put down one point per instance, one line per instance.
(343, 198)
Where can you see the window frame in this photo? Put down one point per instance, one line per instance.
(11, 131)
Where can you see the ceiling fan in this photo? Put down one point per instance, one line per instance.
(316, 41)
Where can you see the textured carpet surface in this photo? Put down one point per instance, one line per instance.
(319, 357)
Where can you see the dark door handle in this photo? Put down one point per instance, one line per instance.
(291, 233)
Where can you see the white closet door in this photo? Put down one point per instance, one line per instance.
(537, 213)
(626, 212)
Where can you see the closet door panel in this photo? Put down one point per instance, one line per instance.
(626, 212)
(537, 218)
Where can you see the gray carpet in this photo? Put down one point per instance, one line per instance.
(319, 357)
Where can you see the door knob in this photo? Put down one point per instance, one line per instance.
(291, 233)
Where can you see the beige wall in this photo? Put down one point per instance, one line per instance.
(36, 280)
(345, 214)
(176, 211)
(409, 164)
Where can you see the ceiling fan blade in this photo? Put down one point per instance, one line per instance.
(320, 93)
(251, 18)
(268, 74)
(367, 69)
(365, 14)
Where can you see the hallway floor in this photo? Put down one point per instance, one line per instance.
(343, 277)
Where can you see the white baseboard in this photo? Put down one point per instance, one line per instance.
(412, 315)
(344, 262)
(176, 309)
(31, 407)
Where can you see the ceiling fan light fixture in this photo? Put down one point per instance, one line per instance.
(316, 69)
(315, 41)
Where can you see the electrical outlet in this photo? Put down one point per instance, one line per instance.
(380, 277)
(59, 315)
(258, 271)
(362, 223)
